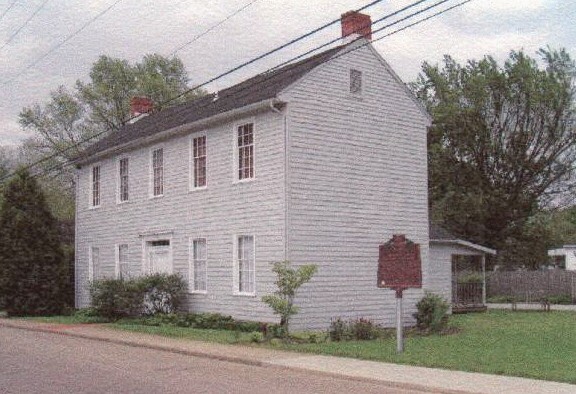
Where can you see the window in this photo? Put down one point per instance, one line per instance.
(245, 264)
(198, 266)
(199, 161)
(93, 263)
(355, 81)
(245, 146)
(122, 262)
(158, 172)
(95, 198)
(123, 180)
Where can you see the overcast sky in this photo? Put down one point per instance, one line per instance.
(132, 28)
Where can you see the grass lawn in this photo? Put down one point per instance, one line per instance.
(529, 344)
(536, 345)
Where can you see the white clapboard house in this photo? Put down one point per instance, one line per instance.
(317, 162)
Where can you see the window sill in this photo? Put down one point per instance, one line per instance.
(155, 197)
(201, 292)
(123, 202)
(93, 207)
(243, 294)
(246, 180)
(197, 189)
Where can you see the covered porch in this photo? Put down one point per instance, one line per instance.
(464, 263)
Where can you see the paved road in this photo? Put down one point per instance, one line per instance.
(35, 362)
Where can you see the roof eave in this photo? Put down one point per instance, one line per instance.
(466, 244)
(182, 129)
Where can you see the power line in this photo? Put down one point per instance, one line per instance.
(7, 9)
(57, 46)
(24, 24)
(239, 10)
(76, 145)
(253, 60)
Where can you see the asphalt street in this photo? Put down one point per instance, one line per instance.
(37, 362)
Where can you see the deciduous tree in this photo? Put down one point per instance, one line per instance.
(502, 144)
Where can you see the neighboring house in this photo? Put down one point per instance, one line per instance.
(317, 162)
(458, 270)
(565, 257)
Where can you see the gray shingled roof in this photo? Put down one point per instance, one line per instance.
(259, 88)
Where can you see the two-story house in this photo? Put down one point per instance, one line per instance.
(316, 162)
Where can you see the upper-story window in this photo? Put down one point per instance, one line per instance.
(245, 151)
(123, 180)
(199, 161)
(95, 186)
(355, 81)
(158, 172)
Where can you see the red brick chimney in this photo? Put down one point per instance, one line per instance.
(355, 24)
(140, 106)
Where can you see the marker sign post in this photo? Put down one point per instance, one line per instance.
(399, 268)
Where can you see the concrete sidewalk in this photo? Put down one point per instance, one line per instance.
(419, 378)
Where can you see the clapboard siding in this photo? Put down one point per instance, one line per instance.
(357, 175)
(218, 213)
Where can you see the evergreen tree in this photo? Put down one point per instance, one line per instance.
(32, 266)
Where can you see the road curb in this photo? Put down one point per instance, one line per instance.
(52, 329)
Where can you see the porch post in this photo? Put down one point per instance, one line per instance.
(483, 279)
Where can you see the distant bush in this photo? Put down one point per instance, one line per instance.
(432, 313)
(339, 330)
(562, 299)
(146, 295)
(502, 299)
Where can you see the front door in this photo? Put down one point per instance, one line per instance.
(159, 257)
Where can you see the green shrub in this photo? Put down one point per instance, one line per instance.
(116, 298)
(288, 281)
(471, 277)
(146, 295)
(364, 329)
(339, 330)
(502, 299)
(432, 314)
(561, 299)
(163, 293)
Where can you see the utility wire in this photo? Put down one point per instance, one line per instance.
(271, 69)
(7, 9)
(77, 144)
(24, 24)
(57, 46)
(267, 53)
(239, 10)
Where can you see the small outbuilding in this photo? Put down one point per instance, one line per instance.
(564, 257)
(462, 263)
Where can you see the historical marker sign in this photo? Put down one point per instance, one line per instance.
(399, 264)
(399, 268)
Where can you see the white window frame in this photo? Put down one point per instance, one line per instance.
(355, 73)
(91, 196)
(154, 149)
(236, 153)
(192, 166)
(119, 180)
(236, 264)
(146, 239)
(118, 267)
(91, 265)
(191, 267)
